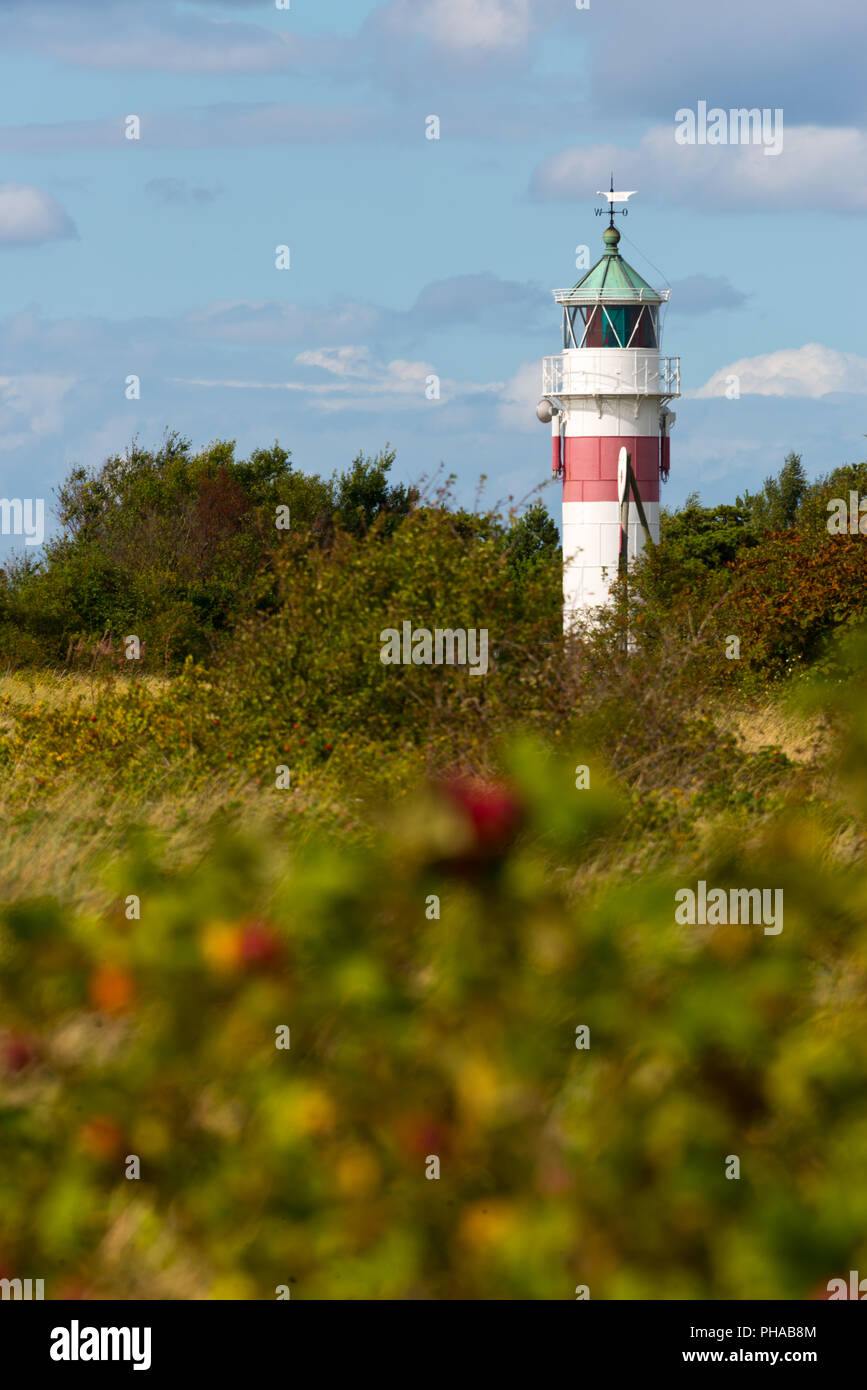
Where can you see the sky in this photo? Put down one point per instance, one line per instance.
(305, 125)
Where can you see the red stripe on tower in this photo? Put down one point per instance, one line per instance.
(591, 467)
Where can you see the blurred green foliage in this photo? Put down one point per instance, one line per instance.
(415, 1035)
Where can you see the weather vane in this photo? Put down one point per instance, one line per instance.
(613, 198)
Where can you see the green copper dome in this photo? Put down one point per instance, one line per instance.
(612, 272)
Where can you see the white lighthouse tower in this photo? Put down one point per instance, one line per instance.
(608, 391)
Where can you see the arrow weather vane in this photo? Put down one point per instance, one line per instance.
(613, 198)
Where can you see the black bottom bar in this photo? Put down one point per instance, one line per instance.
(165, 1339)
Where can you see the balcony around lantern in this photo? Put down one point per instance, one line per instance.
(610, 372)
(622, 295)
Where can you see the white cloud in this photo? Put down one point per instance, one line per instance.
(28, 216)
(358, 381)
(817, 168)
(342, 362)
(463, 27)
(810, 371)
(31, 408)
(520, 396)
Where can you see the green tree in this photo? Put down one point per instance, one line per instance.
(813, 513)
(775, 508)
(178, 545)
(533, 539)
(363, 493)
(696, 545)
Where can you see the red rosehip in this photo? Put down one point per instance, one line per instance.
(494, 812)
(259, 945)
(17, 1054)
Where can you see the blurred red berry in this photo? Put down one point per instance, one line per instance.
(17, 1053)
(493, 811)
(259, 945)
(423, 1136)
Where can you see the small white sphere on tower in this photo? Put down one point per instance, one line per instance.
(545, 411)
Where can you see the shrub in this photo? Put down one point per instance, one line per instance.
(418, 1035)
(177, 547)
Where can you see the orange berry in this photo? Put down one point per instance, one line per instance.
(222, 946)
(111, 988)
(100, 1137)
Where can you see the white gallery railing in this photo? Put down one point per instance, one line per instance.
(587, 373)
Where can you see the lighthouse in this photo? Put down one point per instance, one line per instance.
(606, 397)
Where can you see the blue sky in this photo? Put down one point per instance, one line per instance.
(411, 257)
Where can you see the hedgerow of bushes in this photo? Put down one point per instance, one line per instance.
(439, 1124)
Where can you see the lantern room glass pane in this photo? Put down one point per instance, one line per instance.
(594, 329)
(615, 326)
